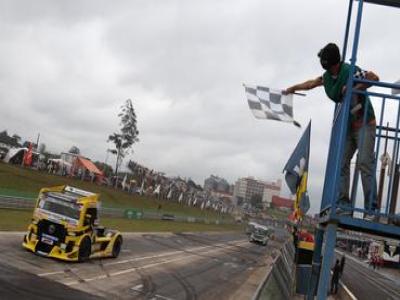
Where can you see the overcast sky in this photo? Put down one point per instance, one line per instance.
(66, 67)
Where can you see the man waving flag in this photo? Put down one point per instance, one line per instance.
(297, 172)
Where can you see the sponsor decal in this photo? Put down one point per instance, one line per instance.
(47, 241)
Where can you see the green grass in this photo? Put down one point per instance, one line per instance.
(18, 220)
(22, 182)
(277, 213)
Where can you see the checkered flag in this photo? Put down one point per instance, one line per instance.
(272, 104)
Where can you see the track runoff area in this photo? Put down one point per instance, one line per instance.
(156, 266)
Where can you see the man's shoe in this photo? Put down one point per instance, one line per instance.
(343, 212)
(370, 217)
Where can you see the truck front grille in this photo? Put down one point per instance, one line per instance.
(53, 229)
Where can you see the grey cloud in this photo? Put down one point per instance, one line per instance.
(67, 66)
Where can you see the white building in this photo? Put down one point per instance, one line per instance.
(246, 187)
(271, 189)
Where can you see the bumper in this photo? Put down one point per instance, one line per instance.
(261, 240)
(65, 253)
(52, 251)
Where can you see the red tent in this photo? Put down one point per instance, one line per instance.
(87, 164)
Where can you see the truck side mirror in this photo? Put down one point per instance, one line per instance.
(87, 219)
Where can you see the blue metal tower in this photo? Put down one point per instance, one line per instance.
(330, 218)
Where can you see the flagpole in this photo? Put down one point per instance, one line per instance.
(37, 141)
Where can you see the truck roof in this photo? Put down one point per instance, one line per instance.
(71, 194)
(259, 226)
(79, 192)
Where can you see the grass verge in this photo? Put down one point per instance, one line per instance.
(18, 220)
(23, 182)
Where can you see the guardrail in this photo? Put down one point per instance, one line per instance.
(279, 282)
(13, 202)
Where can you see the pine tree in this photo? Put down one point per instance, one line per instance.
(127, 135)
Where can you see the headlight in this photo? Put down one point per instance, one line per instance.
(72, 233)
(63, 246)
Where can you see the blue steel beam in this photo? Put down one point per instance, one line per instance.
(394, 160)
(374, 94)
(346, 34)
(328, 254)
(378, 83)
(316, 263)
(361, 225)
(335, 171)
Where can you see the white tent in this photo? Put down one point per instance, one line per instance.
(13, 152)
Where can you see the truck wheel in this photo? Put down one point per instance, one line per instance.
(85, 249)
(116, 247)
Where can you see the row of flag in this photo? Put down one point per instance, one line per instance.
(190, 198)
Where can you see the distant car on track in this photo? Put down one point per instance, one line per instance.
(65, 226)
(260, 234)
(250, 227)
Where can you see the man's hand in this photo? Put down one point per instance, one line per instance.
(288, 91)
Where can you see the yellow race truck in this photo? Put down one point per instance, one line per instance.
(65, 226)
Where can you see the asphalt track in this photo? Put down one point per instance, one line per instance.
(150, 266)
(366, 283)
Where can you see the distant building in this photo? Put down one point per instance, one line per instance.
(246, 187)
(216, 184)
(280, 202)
(271, 189)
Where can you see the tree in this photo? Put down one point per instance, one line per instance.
(17, 138)
(256, 200)
(127, 135)
(74, 150)
(107, 169)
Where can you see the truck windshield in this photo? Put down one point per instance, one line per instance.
(60, 207)
(261, 231)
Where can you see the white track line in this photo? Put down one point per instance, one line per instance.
(169, 253)
(137, 288)
(351, 295)
(157, 296)
(146, 257)
(55, 272)
(134, 269)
